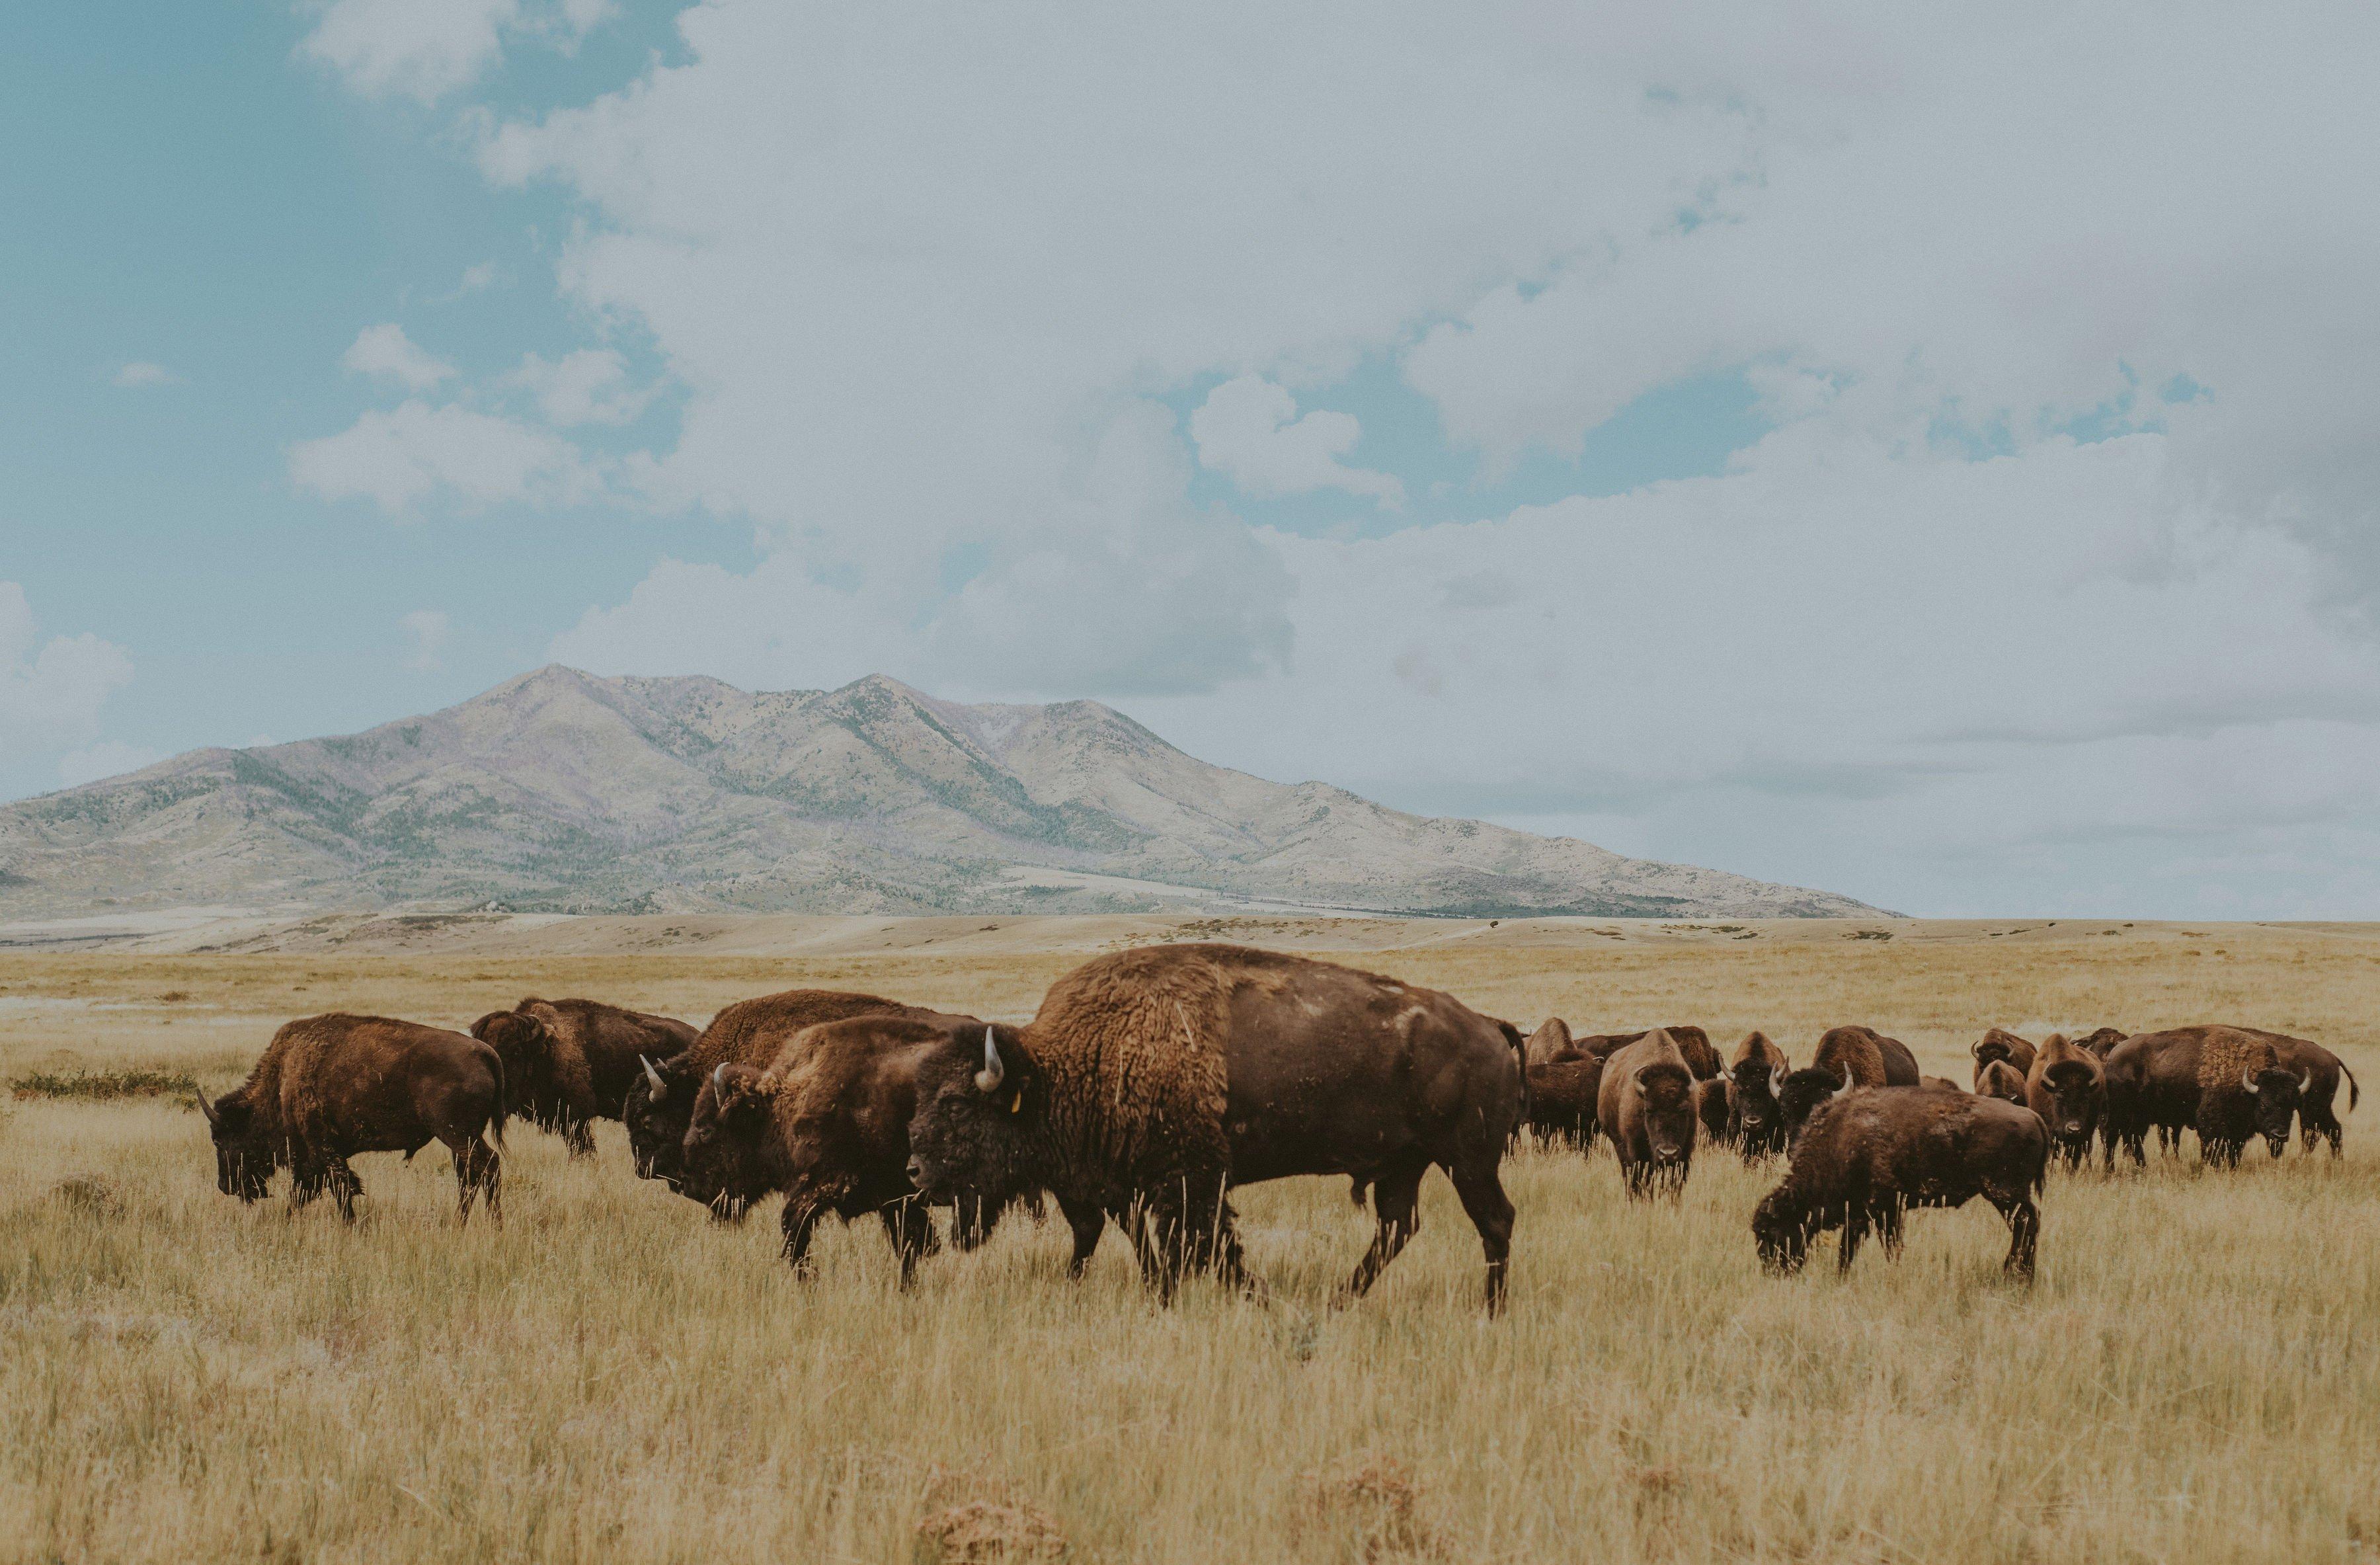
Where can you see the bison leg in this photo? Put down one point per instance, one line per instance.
(577, 1135)
(1889, 1224)
(2025, 1233)
(477, 1171)
(1854, 1229)
(1396, 1193)
(345, 1187)
(799, 1220)
(1190, 1230)
(1087, 1223)
(912, 1232)
(1490, 1212)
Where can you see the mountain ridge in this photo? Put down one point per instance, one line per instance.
(561, 790)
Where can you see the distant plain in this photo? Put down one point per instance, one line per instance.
(2196, 1375)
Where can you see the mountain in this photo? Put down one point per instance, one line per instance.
(561, 792)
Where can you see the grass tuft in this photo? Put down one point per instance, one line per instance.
(98, 1086)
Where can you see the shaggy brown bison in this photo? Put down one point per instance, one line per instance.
(1998, 1078)
(328, 1087)
(660, 1103)
(2068, 1089)
(1755, 1121)
(1846, 1057)
(2101, 1040)
(2000, 1044)
(1563, 1080)
(1865, 1160)
(1711, 1104)
(1152, 1080)
(1646, 1110)
(570, 1062)
(2160, 1081)
(828, 1125)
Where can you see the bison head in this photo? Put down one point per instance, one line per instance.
(1665, 1096)
(2074, 1093)
(1803, 1090)
(659, 1108)
(721, 1161)
(979, 1100)
(2278, 1095)
(243, 1149)
(1781, 1228)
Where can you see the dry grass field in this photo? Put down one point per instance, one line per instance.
(609, 1376)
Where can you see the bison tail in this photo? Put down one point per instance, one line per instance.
(1359, 1189)
(496, 1123)
(2354, 1092)
(1519, 1058)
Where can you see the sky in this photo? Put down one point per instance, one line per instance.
(1925, 453)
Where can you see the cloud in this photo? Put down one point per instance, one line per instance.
(385, 352)
(139, 374)
(1248, 429)
(50, 692)
(109, 758)
(426, 49)
(588, 386)
(414, 454)
(428, 630)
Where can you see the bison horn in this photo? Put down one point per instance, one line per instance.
(2248, 1078)
(1850, 1080)
(2305, 1082)
(204, 1106)
(719, 1080)
(660, 1087)
(993, 1071)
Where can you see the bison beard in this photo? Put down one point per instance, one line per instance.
(1152, 1081)
(329, 1087)
(1863, 1162)
(1755, 1121)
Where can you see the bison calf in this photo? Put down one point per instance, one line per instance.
(1647, 1111)
(328, 1087)
(1863, 1162)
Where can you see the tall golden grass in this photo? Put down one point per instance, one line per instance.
(2195, 1375)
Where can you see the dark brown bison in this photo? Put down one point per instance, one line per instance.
(1153, 1080)
(1711, 1108)
(1692, 1043)
(1755, 1121)
(2102, 1040)
(1846, 1057)
(2319, 1072)
(2068, 1089)
(2160, 1081)
(571, 1062)
(1646, 1110)
(328, 1087)
(1864, 1160)
(660, 1103)
(1563, 1080)
(1998, 1044)
(1998, 1078)
(828, 1125)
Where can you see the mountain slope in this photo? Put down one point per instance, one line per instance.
(562, 790)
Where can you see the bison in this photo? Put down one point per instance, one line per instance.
(1151, 1081)
(571, 1062)
(1713, 1103)
(2102, 1040)
(1846, 1057)
(828, 1125)
(1646, 1110)
(1692, 1043)
(1998, 1078)
(1998, 1044)
(1755, 1122)
(2161, 1081)
(2067, 1088)
(328, 1087)
(660, 1103)
(1563, 1080)
(1862, 1161)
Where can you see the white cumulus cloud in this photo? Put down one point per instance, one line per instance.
(142, 373)
(1248, 429)
(587, 386)
(414, 454)
(52, 691)
(385, 352)
(426, 49)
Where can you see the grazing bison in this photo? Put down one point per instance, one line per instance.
(328, 1087)
(1563, 1080)
(1755, 1121)
(1999, 1045)
(1846, 1057)
(1864, 1160)
(2101, 1042)
(1646, 1110)
(570, 1062)
(2067, 1088)
(1152, 1080)
(660, 1104)
(828, 1125)
(1692, 1043)
(1998, 1079)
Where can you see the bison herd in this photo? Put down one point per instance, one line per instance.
(1151, 1082)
